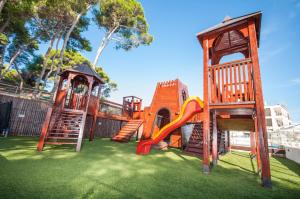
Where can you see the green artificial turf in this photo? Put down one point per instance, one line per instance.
(105, 169)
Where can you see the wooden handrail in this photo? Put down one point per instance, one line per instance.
(231, 82)
(231, 63)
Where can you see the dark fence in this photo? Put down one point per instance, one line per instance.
(104, 127)
(27, 115)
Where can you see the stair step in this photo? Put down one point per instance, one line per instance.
(61, 130)
(195, 145)
(124, 134)
(195, 150)
(62, 138)
(60, 143)
(193, 154)
(128, 130)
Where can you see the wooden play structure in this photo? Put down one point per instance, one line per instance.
(77, 96)
(232, 100)
(233, 97)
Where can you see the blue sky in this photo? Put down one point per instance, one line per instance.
(176, 53)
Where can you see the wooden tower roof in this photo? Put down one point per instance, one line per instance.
(86, 70)
(229, 23)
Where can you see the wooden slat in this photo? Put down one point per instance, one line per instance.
(214, 85)
(240, 82)
(245, 82)
(226, 83)
(219, 85)
(223, 92)
(235, 84)
(250, 88)
(231, 83)
(211, 85)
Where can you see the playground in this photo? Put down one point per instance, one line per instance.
(81, 145)
(105, 169)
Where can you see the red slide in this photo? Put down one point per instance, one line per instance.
(190, 107)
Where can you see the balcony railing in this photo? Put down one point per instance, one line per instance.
(231, 82)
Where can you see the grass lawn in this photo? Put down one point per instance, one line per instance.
(105, 169)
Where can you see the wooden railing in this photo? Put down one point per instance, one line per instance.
(28, 93)
(109, 107)
(231, 82)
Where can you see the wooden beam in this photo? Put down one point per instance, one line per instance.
(257, 146)
(262, 131)
(235, 124)
(215, 140)
(252, 142)
(206, 112)
(44, 131)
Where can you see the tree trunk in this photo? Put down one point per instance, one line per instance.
(52, 63)
(22, 79)
(64, 46)
(2, 53)
(3, 27)
(103, 44)
(15, 56)
(46, 57)
(2, 2)
(12, 60)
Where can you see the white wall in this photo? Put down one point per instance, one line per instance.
(293, 154)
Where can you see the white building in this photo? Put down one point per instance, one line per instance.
(288, 137)
(277, 117)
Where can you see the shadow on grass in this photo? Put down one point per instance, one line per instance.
(293, 166)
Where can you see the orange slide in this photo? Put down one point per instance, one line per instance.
(190, 107)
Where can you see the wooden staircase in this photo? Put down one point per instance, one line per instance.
(65, 128)
(127, 131)
(195, 146)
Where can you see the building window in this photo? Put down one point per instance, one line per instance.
(183, 96)
(269, 122)
(278, 112)
(279, 122)
(268, 112)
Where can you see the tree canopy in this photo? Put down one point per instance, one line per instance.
(124, 22)
(59, 25)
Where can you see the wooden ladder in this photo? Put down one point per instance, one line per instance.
(195, 146)
(127, 131)
(64, 128)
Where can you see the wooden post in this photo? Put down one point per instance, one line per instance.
(257, 146)
(215, 140)
(262, 131)
(252, 143)
(92, 130)
(70, 77)
(206, 118)
(80, 136)
(228, 141)
(44, 132)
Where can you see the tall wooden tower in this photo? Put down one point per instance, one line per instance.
(233, 93)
